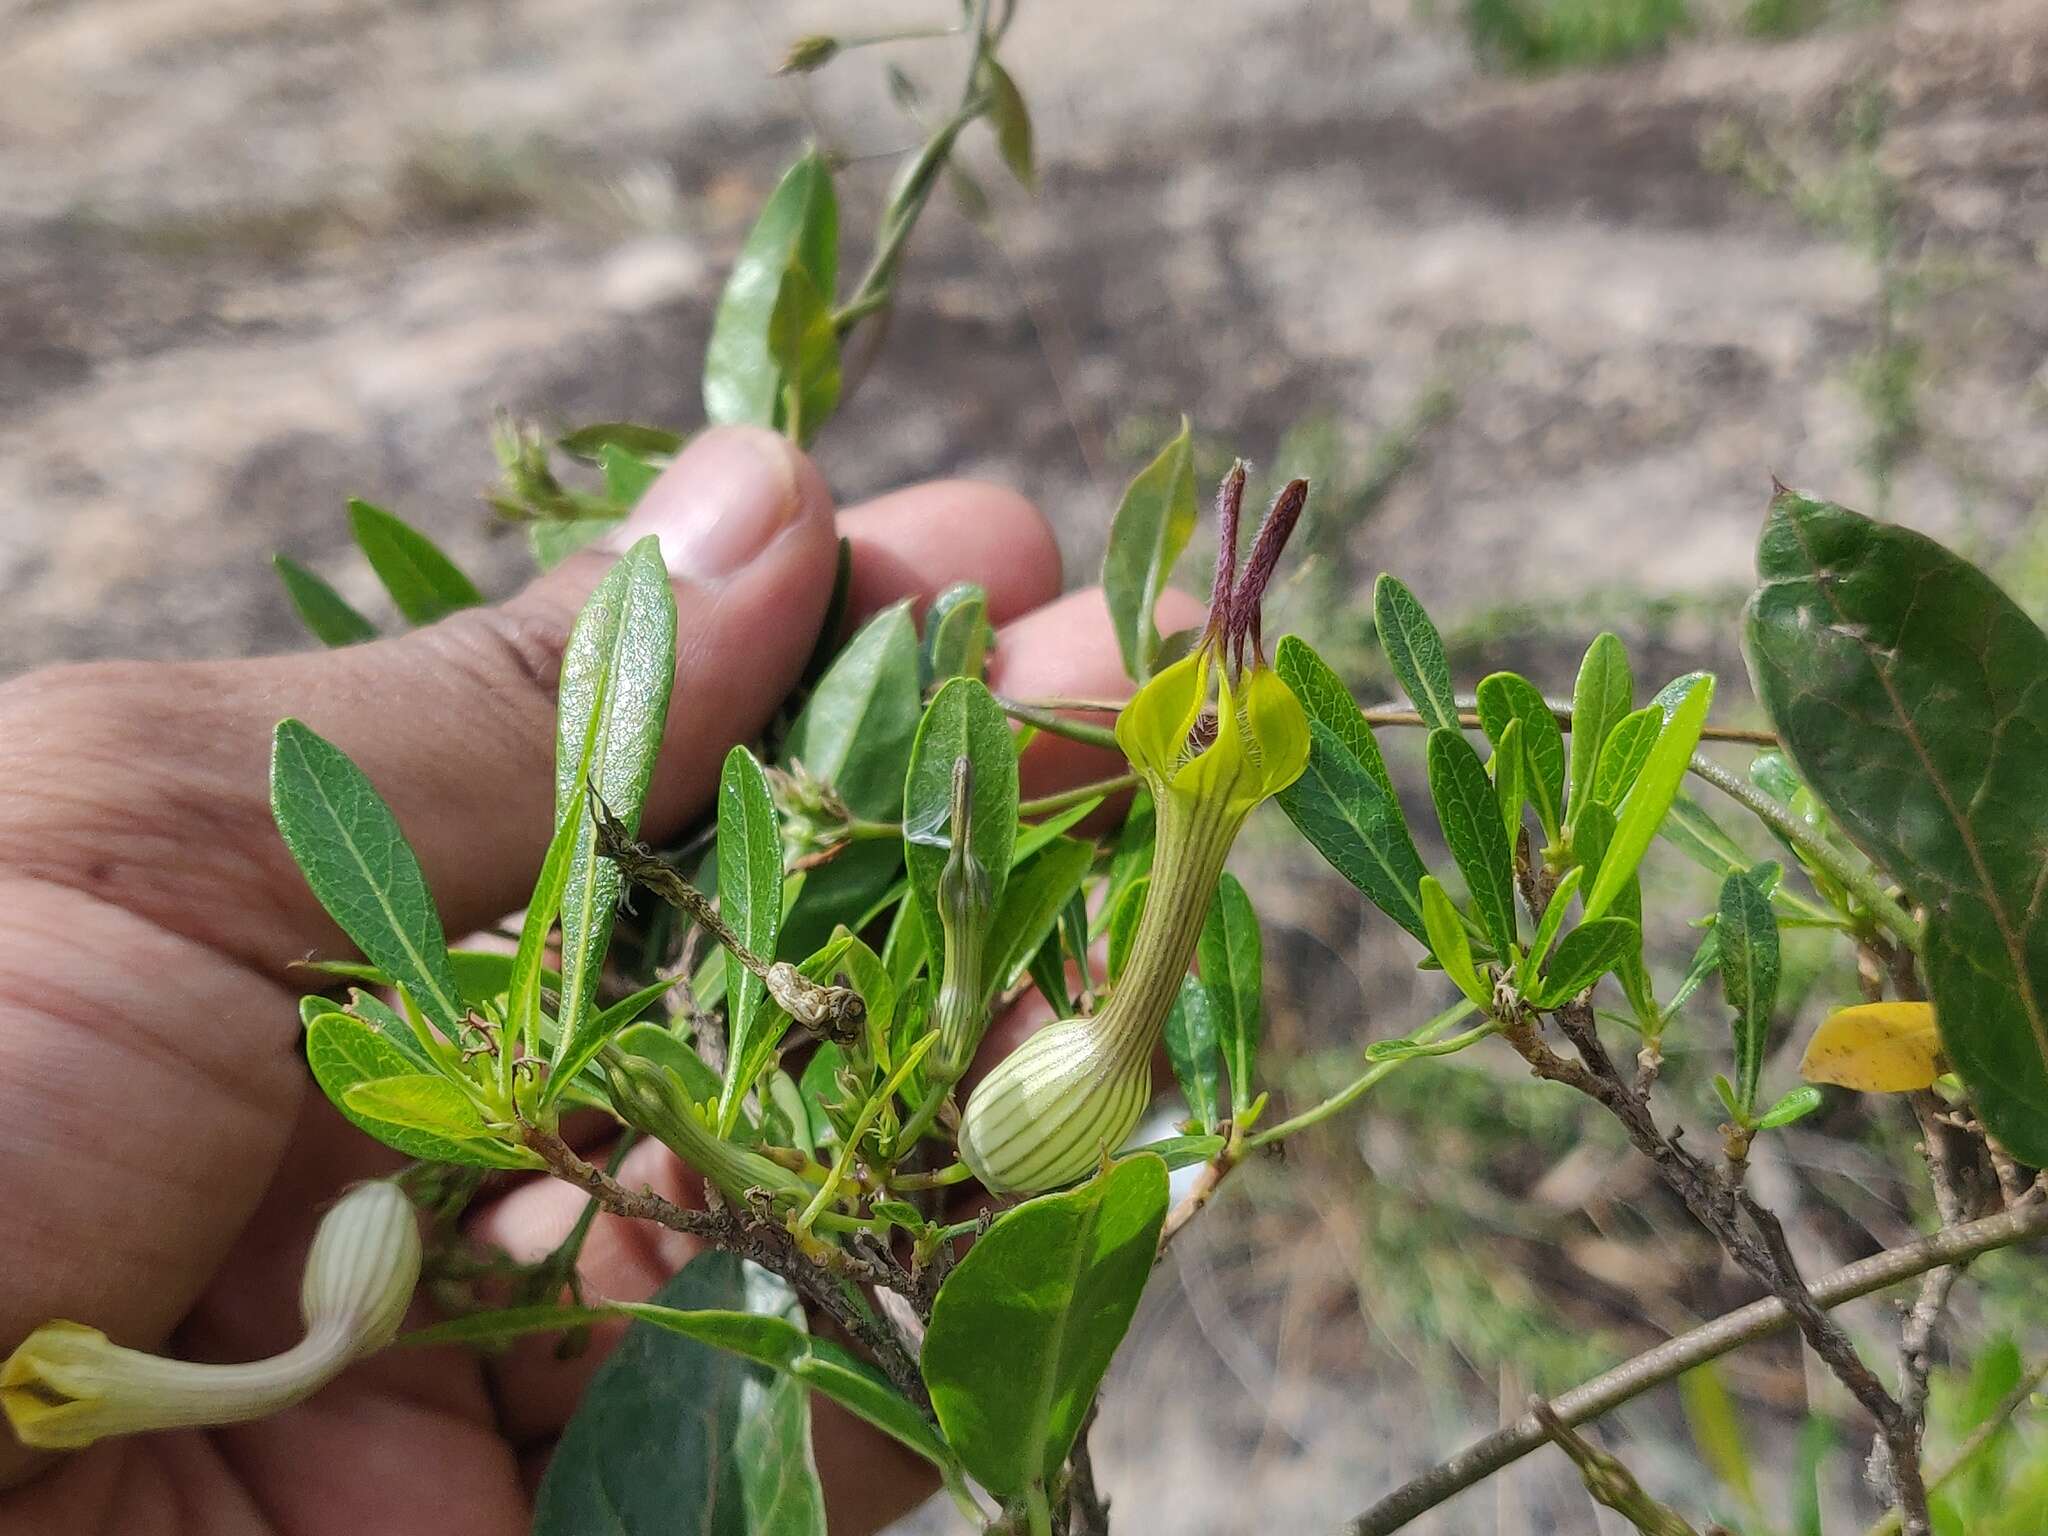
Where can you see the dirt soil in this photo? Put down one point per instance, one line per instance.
(256, 259)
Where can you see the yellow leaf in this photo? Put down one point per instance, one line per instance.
(1875, 1048)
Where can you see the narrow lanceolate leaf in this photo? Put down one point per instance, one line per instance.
(588, 443)
(1325, 699)
(617, 671)
(797, 229)
(1505, 697)
(1024, 1327)
(1012, 122)
(1123, 926)
(1586, 954)
(345, 1053)
(1604, 693)
(347, 844)
(1553, 920)
(1746, 933)
(750, 901)
(1415, 651)
(1233, 971)
(805, 345)
(1470, 814)
(1642, 809)
(1510, 768)
(324, 611)
(963, 720)
(1355, 822)
(1628, 748)
(855, 731)
(1031, 905)
(1151, 528)
(424, 583)
(1905, 687)
(1191, 1041)
(957, 635)
(1447, 941)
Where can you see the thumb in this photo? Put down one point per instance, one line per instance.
(454, 723)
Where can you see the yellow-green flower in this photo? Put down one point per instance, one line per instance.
(69, 1385)
(1210, 737)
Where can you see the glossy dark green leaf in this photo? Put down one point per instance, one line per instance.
(957, 634)
(324, 611)
(1905, 686)
(344, 1053)
(1229, 953)
(855, 731)
(1011, 120)
(1603, 694)
(1746, 936)
(1450, 944)
(1191, 1046)
(423, 582)
(1324, 698)
(1352, 820)
(1025, 1325)
(963, 720)
(655, 1444)
(617, 672)
(1507, 696)
(750, 901)
(1123, 926)
(1470, 815)
(1628, 748)
(1151, 528)
(797, 230)
(588, 443)
(348, 845)
(1584, 955)
(1642, 809)
(1415, 651)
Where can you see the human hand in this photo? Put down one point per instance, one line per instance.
(167, 1163)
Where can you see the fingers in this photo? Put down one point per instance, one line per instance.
(916, 542)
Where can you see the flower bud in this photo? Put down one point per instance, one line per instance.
(807, 54)
(966, 907)
(1054, 1106)
(650, 1099)
(69, 1385)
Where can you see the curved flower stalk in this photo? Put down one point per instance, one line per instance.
(69, 1385)
(1210, 737)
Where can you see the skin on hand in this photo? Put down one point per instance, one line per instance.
(166, 1160)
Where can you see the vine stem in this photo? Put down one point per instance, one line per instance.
(1345, 1097)
(1710, 1341)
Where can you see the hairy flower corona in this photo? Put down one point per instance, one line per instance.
(69, 1385)
(1075, 1090)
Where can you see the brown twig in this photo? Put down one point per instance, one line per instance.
(2029, 1383)
(1607, 1480)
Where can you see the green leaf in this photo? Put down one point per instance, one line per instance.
(805, 345)
(423, 582)
(957, 634)
(750, 901)
(588, 443)
(1510, 770)
(1628, 748)
(963, 720)
(1642, 809)
(1691, 829)
(1584, 955)
(1415, 651)
(1553, 921)
(426, 1103)
(856, 730)
(665, 1050)
(1341, 807)
(1796, 1105)
(1123, 927)
(617, 672)
(1024, 1327)
(529, 961)
(1603, 694)
(659, 1434)
(1325, 699)
(1747, 937)
(1233, 971)
(626, 475)
(554, 542)
(1905, 687)
(1191, 1046)
(1470, 814)
(324, 611)
(347, 844)
(1011, 120)
(1179, 1152)
(1151, 528)
(1505, 697)
(1448, 942)
(798, 230)
(345, 1053)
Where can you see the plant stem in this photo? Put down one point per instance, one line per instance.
(1675, 1357)
(938, 1178)
(1045, 805)
(1053, 723)
(1345, 1097)
(1037, 1510)
(1978, 1438)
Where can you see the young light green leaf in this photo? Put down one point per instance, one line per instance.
(750, 901)
(1604, 693)
(430, 1105)
(617, 672)
(643, 442)
(1796, 1105)
(1470, 815)
(1583, 956)
(1628, 748)
(347, 844)
(1191, 1046)
(424, 583)
(957, 634)
(529, 961)
(324, 611)
(1151, 528)
(1510, 768)
(798, 230)
(1746, 934)
(855, 732)
(805, 345)
(1011, 120)
(345, 1053)
(626, 475)
(1507, 696)
(1348, 816)
(1233, 971)
(1415, 651)
(1674, 693)
(1024, 1326)
(1448, 942)
(963, 720)
(1642, 809)
(1553, 920)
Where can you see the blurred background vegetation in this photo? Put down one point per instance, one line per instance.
(1539, 293)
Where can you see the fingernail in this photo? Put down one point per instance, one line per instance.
(719, 505)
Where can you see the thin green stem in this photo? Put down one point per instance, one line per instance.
(1037, 1510)
(921, 1118)
(1053, 723)
(938, 1178)
(1045, 805)
(1853, 878)
(836, 1174)
(1344, 1098)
